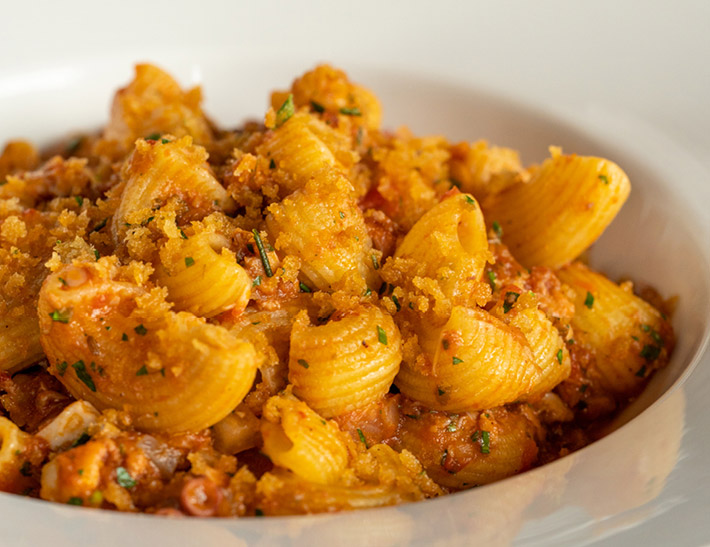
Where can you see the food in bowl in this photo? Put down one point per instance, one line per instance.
(308, 314)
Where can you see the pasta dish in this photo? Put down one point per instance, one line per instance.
(306, 314)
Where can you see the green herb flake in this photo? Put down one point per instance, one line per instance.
(445, 343)
(354, 111)
(262, 252)
(164, 141)
(510, 299)
(141, 330)
(96, 497)
(75, 501)
(124, 337)
(470, 200)
(559, 356)
(182, 234)
(62, 368)
(26, 469)
(440, 391)
(641, 373)
(258, 512)
(497, 230)
(272, 164)
(285, 111)
(589, 300)
(83, 439)
(457, 361)
(583, 388)
(492, 279)
(453, 424)
(375, 262)
(123, 478)
(303, 287)
(341, 214)
(143, 371)
(256, 282)
(100, 225)
(189, 261)
(381, 335)
(396, 302)
(485, 442)
(83, 375)
(444, 455)
(96, 254)
(317, 107)
(604, 179)
(650, 352)
(153, 137)
(80, 472)
(79, 200)
(363, 440)
(303, 363)
(61, 316)
(368, 292)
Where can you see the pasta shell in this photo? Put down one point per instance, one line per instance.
(475, 361)
(202, 275)
(116, 345)
(565, 207)
(345, 364)
(449, 244)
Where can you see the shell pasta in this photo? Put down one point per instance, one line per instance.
(306, 314)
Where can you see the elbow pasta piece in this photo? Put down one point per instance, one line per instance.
(19, 343)
(116, 345)
(449, 244)
(345, 364)
(71, 423)
(568, 203)
(202, 275)
(158, 170)
(549, 351)
(474, 361)
(322, 225)
(297, 438)
(629, 338)
(153, 103)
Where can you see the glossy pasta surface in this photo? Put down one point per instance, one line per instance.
(305, 314)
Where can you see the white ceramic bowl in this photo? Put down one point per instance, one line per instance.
(617, 484)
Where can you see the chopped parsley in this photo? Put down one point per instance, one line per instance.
(457, 361)
(362, 437)
(641, 372)
(604, 179)
(444, 455)
(650, 352)
(143, 371)
(492, 279)
(589, 300)
(123, 478)
(153, 137)
(440, 391)
(272, 164)
(396, 302)
(285, 111)
(124, 337)
(381, 335)
(182, 234)
(83, 439)
(83, 375)
(469, 199)
(96, 254)
(61, 316)
(303, 287)
(485, 442)
(445, 343)
(256, 282)
(189, 261)
(79, 200)
(258, 512)
(510, 299)
(26, 469)
(497, 230)
(303, 363)
(75, 501)
(559, 356)
(164, 141)
(368, 292)
(453, 424)
(62, 368)
(354, 111)
(317, 107)
(140, 329)
(375, 262)
(100, 225)
(341, 214)
(262, 253)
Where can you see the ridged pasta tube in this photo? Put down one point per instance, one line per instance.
(202, 275)
(297, 438)
(475, 361)
(565, 207)
(19, 343)
(115, 344)
(346, 363)
(158, 170)
(323, 226)
(629, 338)
(449, 244)
(549, 351)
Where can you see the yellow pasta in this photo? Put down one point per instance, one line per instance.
(297, 438)
(628, 336)
(345, 364)
(323, 226)
(116, 345)
(69, 426)
(449, 244)
(520, 310)
(202, 275)
(19, 343)
(474, 361)
(561, 211)
(158, 170)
